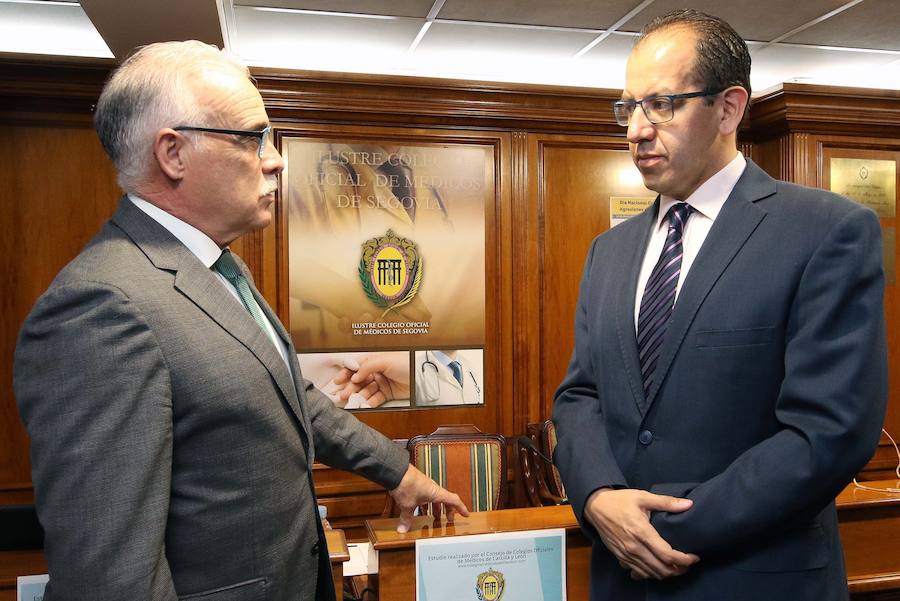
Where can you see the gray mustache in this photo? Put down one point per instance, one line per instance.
(271, 185)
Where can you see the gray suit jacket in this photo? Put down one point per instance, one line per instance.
(769, 396)
(171, 445)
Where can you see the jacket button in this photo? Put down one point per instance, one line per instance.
(645, 437)
(315, 549)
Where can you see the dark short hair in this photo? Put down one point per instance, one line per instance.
(723, 59)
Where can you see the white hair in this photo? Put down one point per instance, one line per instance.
(149, 91)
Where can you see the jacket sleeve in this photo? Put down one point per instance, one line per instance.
(583, 455)
(830, 407)
(344, 442)
(93, 390)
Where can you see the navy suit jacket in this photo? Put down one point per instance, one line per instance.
(769, 393)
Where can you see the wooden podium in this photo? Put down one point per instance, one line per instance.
(397, 552)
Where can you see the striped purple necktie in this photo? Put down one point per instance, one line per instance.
(659, 295)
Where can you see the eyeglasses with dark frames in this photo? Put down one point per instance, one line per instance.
(262, 134)
(658, 109)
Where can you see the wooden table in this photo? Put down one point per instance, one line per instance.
(338, 553)
(397, 552)
(23, 563)
(869, 522)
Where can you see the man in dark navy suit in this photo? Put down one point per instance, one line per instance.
(729, 371)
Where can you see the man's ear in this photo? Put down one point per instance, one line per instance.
(734, 101)
(169, 148)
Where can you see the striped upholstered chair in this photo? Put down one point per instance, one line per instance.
(466, 461)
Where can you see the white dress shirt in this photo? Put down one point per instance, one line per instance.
(707, 201)
(208, 252)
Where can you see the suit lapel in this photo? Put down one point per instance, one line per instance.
(295, 375)
(205, 290)
(734, 225)
(626, 280)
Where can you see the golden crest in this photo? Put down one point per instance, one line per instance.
(390, 270)
(490, 585)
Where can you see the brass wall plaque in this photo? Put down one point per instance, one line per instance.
(889, 247)
(870, 182)
(624, 207)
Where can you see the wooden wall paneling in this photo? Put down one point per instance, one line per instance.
(787, 158)
(57, 190)
(574, 178)
(318, 97)
(525, 311)
(50, 91)
(503, 326)
(768, 156)
(497, 414)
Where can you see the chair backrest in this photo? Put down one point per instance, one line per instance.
(542, 482)
(465, 460)
(548, 446)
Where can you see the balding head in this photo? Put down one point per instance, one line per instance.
(722, 59)
(149, 91)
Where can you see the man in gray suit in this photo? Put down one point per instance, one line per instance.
(729, 371)
(172, 434)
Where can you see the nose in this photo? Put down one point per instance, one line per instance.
(639, 127)
(272, 161)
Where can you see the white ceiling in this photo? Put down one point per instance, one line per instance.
(568, 42)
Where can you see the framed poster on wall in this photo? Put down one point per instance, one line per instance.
(385, 253)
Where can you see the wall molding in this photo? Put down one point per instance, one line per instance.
(794, 107)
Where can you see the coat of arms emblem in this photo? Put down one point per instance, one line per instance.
(390, 271)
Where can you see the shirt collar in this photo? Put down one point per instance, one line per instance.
(709, 198)
(442, 358)
(196, 241)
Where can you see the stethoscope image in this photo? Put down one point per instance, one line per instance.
(431, 383)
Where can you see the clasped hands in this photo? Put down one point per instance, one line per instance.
(369, 380)
(622, 519)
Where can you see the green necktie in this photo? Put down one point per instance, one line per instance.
(227, 266)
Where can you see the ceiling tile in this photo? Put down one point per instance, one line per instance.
(511, 40)
(60, 29)
(584, 14)
(395, 8)
(873, 24)
(514, 53)
(773, 65)
(321, 42)
(616, 44)
(752, 19)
